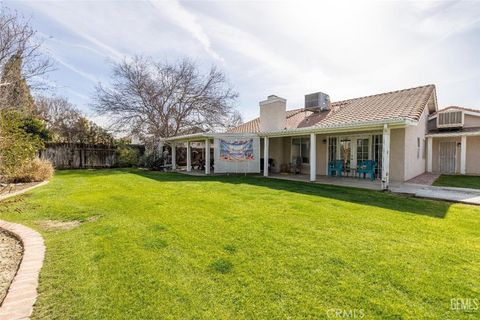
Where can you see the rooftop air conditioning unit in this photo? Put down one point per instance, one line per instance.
(317, 102)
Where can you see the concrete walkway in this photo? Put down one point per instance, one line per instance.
(462, 195)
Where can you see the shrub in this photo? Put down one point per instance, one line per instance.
(127, 156)
(17, 147)
(35, 170)
(152, 161)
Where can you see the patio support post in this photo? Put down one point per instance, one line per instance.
(429, 154)
(385, 157)
(174, 156)
(313, 157)
(265, 156)
(207, 156)
(463, 155)
(189, 157)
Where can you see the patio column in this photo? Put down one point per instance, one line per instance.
(207, 156)
(385, 157)
(189, 157)
(174, 156)
(313, 157)
(265, 156)
(429, 154)
(463, 155)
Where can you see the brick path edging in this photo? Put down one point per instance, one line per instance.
(22, 294)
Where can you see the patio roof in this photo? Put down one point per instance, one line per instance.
(207, 135)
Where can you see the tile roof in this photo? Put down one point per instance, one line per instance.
(407, 104)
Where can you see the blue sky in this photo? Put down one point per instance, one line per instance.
(346, 49)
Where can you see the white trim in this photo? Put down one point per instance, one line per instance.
(265, 156)
(189, 157)
(385, 157)
(327, 158)
(463, 155)
(174, 156)
(429, 154)
(207, 156)
(339, 128)
(313, 157)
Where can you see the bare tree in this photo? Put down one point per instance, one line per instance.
(165, 99)
(67, 124)
(18, 38)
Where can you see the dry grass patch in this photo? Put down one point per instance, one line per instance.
(57, 225)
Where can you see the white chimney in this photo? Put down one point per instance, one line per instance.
(273, 114)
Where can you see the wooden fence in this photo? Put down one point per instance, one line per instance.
(79, 155)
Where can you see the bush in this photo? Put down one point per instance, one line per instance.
(127, 156)
(152, 161)
(17, 147)
(35, 170)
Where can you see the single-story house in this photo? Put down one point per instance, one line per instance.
(398, 135)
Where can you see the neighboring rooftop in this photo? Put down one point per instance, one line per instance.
(457, 108)
(407, 104)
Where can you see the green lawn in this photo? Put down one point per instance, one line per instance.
(458, 181)
(171, 246)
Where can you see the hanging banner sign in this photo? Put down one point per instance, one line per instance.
(236, 150)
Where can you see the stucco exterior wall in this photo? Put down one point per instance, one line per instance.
(321, 155)
(472, 165)
(397, 154)
(276, 153)
(471, 121)
(415, 158)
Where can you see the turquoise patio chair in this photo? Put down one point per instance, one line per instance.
(335, 166)
(367, 167)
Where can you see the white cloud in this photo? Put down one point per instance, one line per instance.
(174, 11)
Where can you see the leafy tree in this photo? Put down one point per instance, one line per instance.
(36, 127)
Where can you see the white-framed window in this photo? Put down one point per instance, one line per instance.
(301, 150)
(362, 149)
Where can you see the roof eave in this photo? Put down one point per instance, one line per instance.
(367, 125)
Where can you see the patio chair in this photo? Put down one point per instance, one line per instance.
(367, 167)
(335, 166)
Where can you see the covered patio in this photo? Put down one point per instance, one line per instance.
(341, 156)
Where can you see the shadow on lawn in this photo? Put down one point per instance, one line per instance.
(407, 204)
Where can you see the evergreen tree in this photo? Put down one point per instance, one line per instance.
(15, 92)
